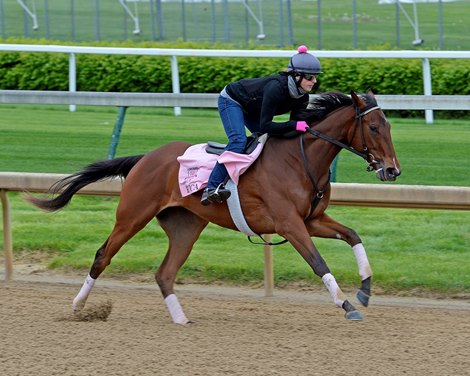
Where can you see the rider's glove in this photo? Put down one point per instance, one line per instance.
(301, 126)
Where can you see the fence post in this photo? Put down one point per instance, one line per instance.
(72, 78)
(427, 88)
(175, 80)
(268, 267)
(7, 237)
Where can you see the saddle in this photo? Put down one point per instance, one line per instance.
(218, 148)
(196, 165)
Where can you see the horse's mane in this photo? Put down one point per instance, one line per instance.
(326, 103)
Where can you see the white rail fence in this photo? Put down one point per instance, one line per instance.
(401, 102)
(92, 98)
(369, 195)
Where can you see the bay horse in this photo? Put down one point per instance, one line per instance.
(286, 191)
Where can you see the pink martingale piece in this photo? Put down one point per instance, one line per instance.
(196, 166)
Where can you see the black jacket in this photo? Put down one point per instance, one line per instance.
(263, 98)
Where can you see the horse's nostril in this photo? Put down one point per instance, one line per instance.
(392, 173)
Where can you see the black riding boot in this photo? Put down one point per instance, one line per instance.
(219, 194)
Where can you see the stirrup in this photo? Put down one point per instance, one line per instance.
(221, 193)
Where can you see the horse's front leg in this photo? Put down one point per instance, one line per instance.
(298, 236)
(325, 227)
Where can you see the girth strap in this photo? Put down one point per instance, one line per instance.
(233, 203)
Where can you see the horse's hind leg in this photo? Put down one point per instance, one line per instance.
(131, 217)
(80, 299)
(325, 227)
(183, 229)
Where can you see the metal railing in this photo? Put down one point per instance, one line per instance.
(176, 100)
(92, 98)
(425, 56)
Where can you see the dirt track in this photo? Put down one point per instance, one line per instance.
(236, 332)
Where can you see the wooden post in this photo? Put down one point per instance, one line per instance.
(268, 268)
(7, 237)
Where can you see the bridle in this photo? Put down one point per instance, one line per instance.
(368, 157)
(359, 116)
(357, 120)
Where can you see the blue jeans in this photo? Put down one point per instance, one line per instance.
(233, 120)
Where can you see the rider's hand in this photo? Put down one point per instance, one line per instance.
(301, 126)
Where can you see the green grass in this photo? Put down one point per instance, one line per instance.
(52, 139)
(376, 24)
(409, 250)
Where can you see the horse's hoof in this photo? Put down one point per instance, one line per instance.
(354, 316)
(185, 322)
(363, 297)
(78, 305)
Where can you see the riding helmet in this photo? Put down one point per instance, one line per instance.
(304, 62)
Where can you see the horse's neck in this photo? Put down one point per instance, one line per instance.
(337, 126)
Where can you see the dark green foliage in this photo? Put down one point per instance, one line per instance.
(384, 76)
(451, 77)
(33, 71)
(115, 73)
(129, 73)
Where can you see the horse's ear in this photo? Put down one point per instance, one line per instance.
(356, 99)
(370, 93)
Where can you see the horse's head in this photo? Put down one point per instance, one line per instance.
(371, 135)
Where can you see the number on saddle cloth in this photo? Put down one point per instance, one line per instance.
(218, 148)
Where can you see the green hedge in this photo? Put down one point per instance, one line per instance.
(46, 71)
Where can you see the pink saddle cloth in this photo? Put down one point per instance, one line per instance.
(196, 166)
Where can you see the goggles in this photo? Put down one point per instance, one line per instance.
(310, 77)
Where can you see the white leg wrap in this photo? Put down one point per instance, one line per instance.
(362, 262)
(176, 312)
(80, 300)
(333, 288)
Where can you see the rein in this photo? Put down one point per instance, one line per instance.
(342, 145)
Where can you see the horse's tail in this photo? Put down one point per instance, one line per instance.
(92, 173)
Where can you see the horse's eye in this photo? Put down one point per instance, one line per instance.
(373, 128)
